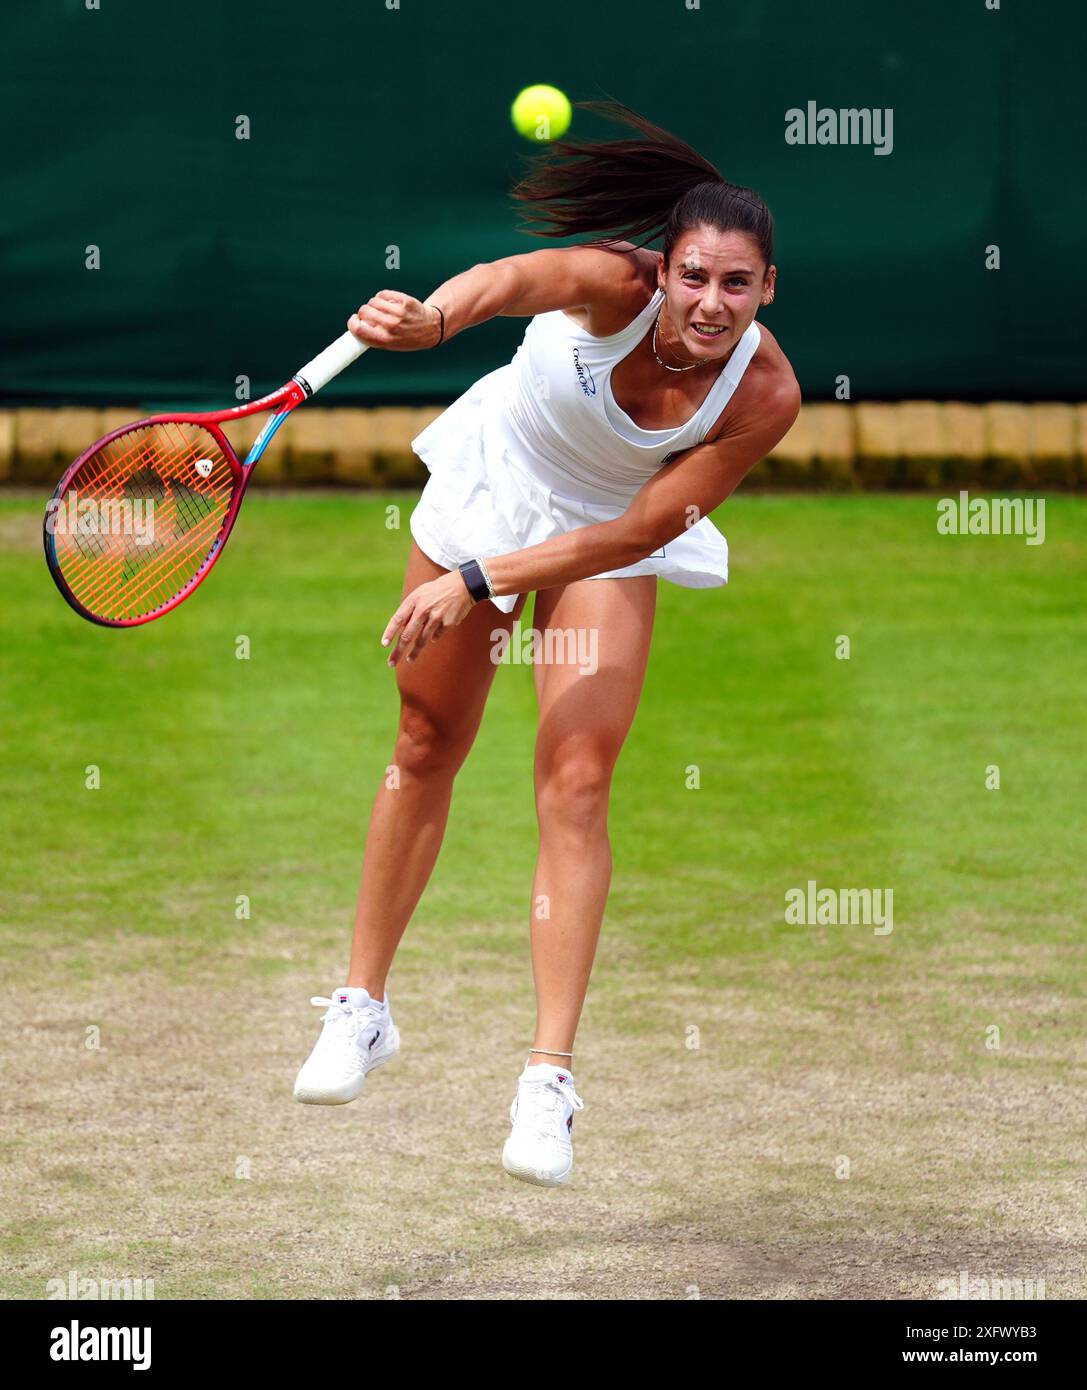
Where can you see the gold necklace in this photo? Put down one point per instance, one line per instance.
(657, 355)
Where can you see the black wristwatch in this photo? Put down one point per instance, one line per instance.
(476, 580)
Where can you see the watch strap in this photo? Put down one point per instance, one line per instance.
(475, 580)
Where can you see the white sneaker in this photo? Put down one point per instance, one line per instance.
(539, 1149)
(359, 1034)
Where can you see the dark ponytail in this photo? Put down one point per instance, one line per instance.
(657, 186)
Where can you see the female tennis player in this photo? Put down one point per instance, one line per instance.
(583, 470)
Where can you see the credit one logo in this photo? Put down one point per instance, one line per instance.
(584, 376)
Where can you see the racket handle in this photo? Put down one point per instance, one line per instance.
(321, 369)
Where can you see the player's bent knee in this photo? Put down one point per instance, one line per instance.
(425, 747)
(574, 793)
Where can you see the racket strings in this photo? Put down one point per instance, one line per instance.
(123, 499)
(146, 571)
(141, 517)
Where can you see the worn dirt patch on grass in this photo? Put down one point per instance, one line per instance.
(824, 1170)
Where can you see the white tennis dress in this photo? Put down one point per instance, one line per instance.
(539, 447)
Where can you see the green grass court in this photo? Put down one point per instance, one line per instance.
(174, 1150)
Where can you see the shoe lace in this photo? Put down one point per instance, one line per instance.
(540, 1106)
(343, 1017)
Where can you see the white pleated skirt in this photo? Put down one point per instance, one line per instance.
(483, 498)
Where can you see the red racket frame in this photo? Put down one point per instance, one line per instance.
(301, 386)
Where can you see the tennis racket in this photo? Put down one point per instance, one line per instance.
(138, 521)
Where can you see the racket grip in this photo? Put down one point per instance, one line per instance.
(320, 370)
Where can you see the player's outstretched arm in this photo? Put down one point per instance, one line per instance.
(535, 283)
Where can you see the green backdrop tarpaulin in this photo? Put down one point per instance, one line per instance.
(374, 127)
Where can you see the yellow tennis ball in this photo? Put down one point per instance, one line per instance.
(541, 112)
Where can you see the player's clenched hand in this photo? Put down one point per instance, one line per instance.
(427, 612)
(395, 321)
